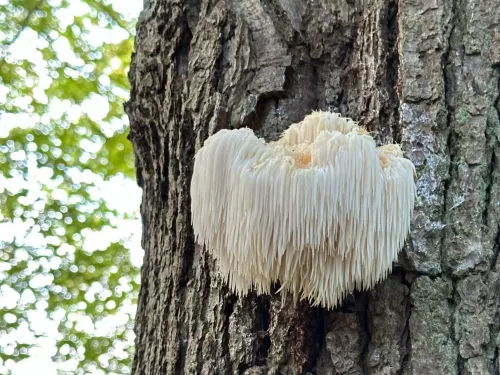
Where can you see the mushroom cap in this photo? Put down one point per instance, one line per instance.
(322, 210)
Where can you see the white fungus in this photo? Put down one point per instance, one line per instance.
(322, 210)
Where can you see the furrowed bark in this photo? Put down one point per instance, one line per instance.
(422, 73)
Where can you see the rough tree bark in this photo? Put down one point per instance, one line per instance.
(424, 73)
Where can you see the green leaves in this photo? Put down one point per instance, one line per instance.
(65, 185)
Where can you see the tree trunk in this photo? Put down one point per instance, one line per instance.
(417, 72)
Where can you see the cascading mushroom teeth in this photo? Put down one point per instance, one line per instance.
(322, 210)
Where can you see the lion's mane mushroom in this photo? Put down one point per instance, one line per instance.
(322, 210)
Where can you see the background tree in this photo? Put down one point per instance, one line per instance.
(422, 73)
(64, 256)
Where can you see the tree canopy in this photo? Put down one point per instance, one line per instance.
(67, 201)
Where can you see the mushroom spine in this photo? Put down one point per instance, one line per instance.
(323, 210)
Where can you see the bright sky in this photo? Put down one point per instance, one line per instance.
(119, 193)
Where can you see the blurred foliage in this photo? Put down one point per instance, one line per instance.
(63, 66)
